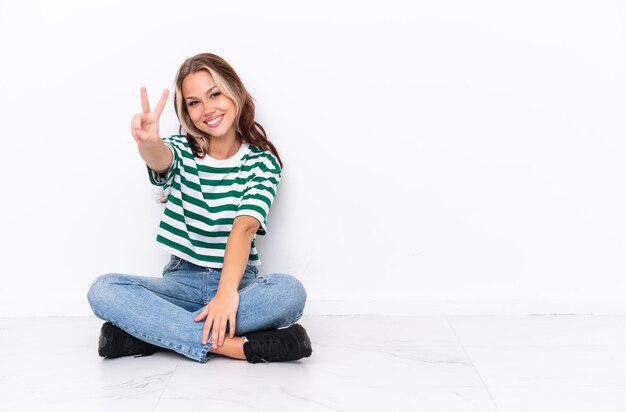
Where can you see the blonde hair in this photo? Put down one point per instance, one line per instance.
(229, 83)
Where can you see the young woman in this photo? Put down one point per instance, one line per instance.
(219, 180)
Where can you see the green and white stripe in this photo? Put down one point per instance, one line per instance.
(204, 196)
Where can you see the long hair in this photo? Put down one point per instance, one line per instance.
(229, 83)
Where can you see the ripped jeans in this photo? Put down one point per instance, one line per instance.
(160, 310)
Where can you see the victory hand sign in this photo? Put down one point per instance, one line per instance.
(145, 126)
(145, 129)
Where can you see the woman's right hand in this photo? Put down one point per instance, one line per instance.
(145, 126)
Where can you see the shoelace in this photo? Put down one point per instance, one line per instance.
(270, 349)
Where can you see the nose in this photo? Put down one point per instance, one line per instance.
(208, 107)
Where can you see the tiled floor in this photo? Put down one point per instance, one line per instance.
(359, 363)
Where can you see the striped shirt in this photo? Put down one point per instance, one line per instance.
(204, 196)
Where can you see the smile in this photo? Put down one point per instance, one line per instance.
(215, 122)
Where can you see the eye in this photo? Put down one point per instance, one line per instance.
(192, 103)
(215, 94)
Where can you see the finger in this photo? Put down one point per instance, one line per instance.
(216, 333)
(145, 105)
(206, 330)
(135, 125)
(232, 325)
(201, 315)
(132, 131)
(215, 339)
(222, 331)
(159, 108)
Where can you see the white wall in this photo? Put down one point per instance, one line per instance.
(441, 157)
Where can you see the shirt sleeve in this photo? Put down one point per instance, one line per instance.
(258, 197)
(167, 178)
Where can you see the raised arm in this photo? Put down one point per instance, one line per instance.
(145, 129)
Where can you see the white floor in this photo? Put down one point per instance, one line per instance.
(359, 363)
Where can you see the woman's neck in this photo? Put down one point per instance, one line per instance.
(223, 149)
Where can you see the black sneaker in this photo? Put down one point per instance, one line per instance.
(277, 345)
(114, 342)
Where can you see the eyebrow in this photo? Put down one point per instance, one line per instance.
(207, 92)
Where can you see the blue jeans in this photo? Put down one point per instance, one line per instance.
(160, 310)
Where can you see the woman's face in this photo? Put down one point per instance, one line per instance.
(210, 110)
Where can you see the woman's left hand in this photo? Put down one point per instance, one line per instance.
(220, 310)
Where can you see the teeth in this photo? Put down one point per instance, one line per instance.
(214, 121)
